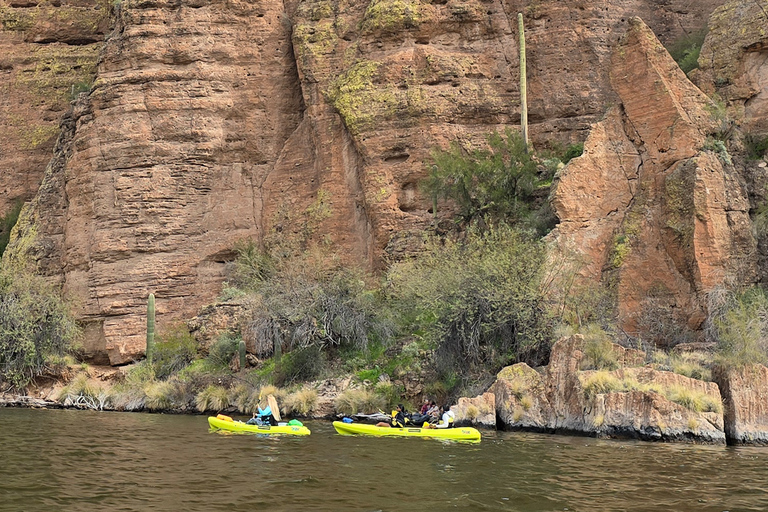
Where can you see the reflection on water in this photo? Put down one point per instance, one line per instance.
(75, 460)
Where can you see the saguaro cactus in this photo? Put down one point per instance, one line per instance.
(150, 325)
(523, 83)
(241, 351)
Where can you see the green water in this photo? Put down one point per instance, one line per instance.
(75, 460)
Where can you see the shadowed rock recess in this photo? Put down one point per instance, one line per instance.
(210, 122)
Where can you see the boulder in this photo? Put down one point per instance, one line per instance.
(745, 394)
(479, 411)
(634, 402)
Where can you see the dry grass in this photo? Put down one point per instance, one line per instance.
(301, 402)
(354, 401)
(212, 398)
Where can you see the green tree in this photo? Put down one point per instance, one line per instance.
(35, 326)
(487, 184)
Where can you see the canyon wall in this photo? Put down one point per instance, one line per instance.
(210, 122)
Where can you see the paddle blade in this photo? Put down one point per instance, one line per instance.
(272, 401)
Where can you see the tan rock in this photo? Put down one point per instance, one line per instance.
(647, 207)
(745, 393)
(478, 411)
(557, 400)
(734, 60)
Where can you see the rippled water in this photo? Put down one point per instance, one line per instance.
(74, 460)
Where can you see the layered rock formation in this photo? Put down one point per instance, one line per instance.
(734, 62)
(48, 53)
(561, 399)
(655, 206)
(745, 394)
(211, 122)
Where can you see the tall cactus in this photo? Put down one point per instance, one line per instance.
(241, 351)
(523, 83)
(150, 325)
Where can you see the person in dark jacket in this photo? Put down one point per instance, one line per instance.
(398, 418)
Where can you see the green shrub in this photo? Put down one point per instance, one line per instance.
(222, 352)
(492, 185)
(598, 349)
(686, 50)
(478, 301)
(739, 323)
(35, 325)
(312, 300)
(7, 222)
(300, 365)
(756, 146)
(572, 151)
(173, 351)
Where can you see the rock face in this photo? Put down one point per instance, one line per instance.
(48, 53)
(562, 399)
(735, 62)
(745, 394)
(211, 122)
(652, 206)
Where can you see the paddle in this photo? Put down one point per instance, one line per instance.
(272, 401)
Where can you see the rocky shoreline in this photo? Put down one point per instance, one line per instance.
(561, 399)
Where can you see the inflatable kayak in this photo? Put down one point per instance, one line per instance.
(222, 422)
(456, 434)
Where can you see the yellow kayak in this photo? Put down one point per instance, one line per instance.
(456, 434)
(222, 422)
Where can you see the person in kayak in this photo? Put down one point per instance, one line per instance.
(447, 419)
(262, 416)
(398, 418)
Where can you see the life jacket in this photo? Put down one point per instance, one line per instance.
(398, 419)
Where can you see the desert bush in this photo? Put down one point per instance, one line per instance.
(35, 324)
(477, 301)
(738, 321)
(354, 401)
(598, 349)
(486, 184)
(300, 365)
(222, 352)
(301, 402)
(240, 396)
(312, 299)
(173, 351)
(694, 400)
(686, 49)
(125, 397)
(756, 146)
(161, 395)
(659, 322)
(601, 382)
(7, 222)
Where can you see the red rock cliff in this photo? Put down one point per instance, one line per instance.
(214, 121)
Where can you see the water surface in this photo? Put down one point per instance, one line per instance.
(81, 460)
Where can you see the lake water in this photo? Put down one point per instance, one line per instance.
(53, 460)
